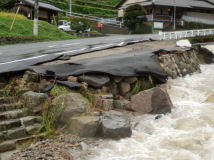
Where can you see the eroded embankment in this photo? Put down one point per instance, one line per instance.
(92, 105)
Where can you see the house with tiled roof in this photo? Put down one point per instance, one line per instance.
(163, 10)
(46, 10)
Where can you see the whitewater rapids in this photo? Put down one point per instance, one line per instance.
(185, 134)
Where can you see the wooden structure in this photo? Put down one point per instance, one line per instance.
(46, 10)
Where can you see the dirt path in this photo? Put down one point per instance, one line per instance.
(119, 50)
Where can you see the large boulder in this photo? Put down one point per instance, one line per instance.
(34, 101)
(84, 126)
(155, 100)
(74, 103)
(96, 81)
(114, 126)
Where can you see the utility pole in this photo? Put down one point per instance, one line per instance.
(174, 14)
(35, 31)
(70, 7)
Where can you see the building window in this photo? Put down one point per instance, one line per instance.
(161, 11)
(147, 11)
(150, 11)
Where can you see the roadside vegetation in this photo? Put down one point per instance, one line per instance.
(22, 30)
(134, 24)
(89, 7)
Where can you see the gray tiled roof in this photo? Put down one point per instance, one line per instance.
(179, 3)
(45, 5)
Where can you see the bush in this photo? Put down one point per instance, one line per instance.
(130, 17)
(86, 10)
(79, 24)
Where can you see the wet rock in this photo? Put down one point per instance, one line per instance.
(48, 88)
(2, 137)
(33, 128)
(105, 102)
(34, 101)
(124, 88)
(117, 79)
(72, 79)
(16, 133)
(7, 146)
(32, 86)
(44, 84)
(74, 103)
(155, 101)
(164, 86)
(96, 81)
(120, 104)
(65, 154)
(115, 129)
(84, 126)
(31, 77)
(129, 80)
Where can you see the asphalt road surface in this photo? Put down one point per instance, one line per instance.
(12, 53)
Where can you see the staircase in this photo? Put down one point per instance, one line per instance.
(15, 125)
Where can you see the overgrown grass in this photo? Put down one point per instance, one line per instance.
(12, 15)
(24, 28)
(59, 90)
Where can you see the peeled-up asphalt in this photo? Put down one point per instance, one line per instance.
(133, 63)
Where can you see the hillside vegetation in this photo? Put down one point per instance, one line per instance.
(23, 29)
(98, 8)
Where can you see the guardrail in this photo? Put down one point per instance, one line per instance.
(102, 20)
(181, 34)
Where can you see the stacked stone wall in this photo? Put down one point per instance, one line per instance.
(178, 64)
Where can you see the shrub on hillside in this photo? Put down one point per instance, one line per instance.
(86, 10)
(130, 17)
(79, 24)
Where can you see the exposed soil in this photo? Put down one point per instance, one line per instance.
(119, 50)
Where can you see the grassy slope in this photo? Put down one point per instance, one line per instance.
(24, 27)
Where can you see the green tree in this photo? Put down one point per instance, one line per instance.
(79, 24)
(130, 18)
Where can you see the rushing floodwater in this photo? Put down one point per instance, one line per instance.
(185, 134)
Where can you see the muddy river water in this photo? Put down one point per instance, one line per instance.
(185, 134)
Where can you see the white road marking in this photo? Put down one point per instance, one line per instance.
(121, 43)
(23, 59)
(120, 38)
(70, 51)
(70, 44)
(52, 46)
(101, 46)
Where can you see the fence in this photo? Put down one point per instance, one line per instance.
(102, 20)
(187, 33)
